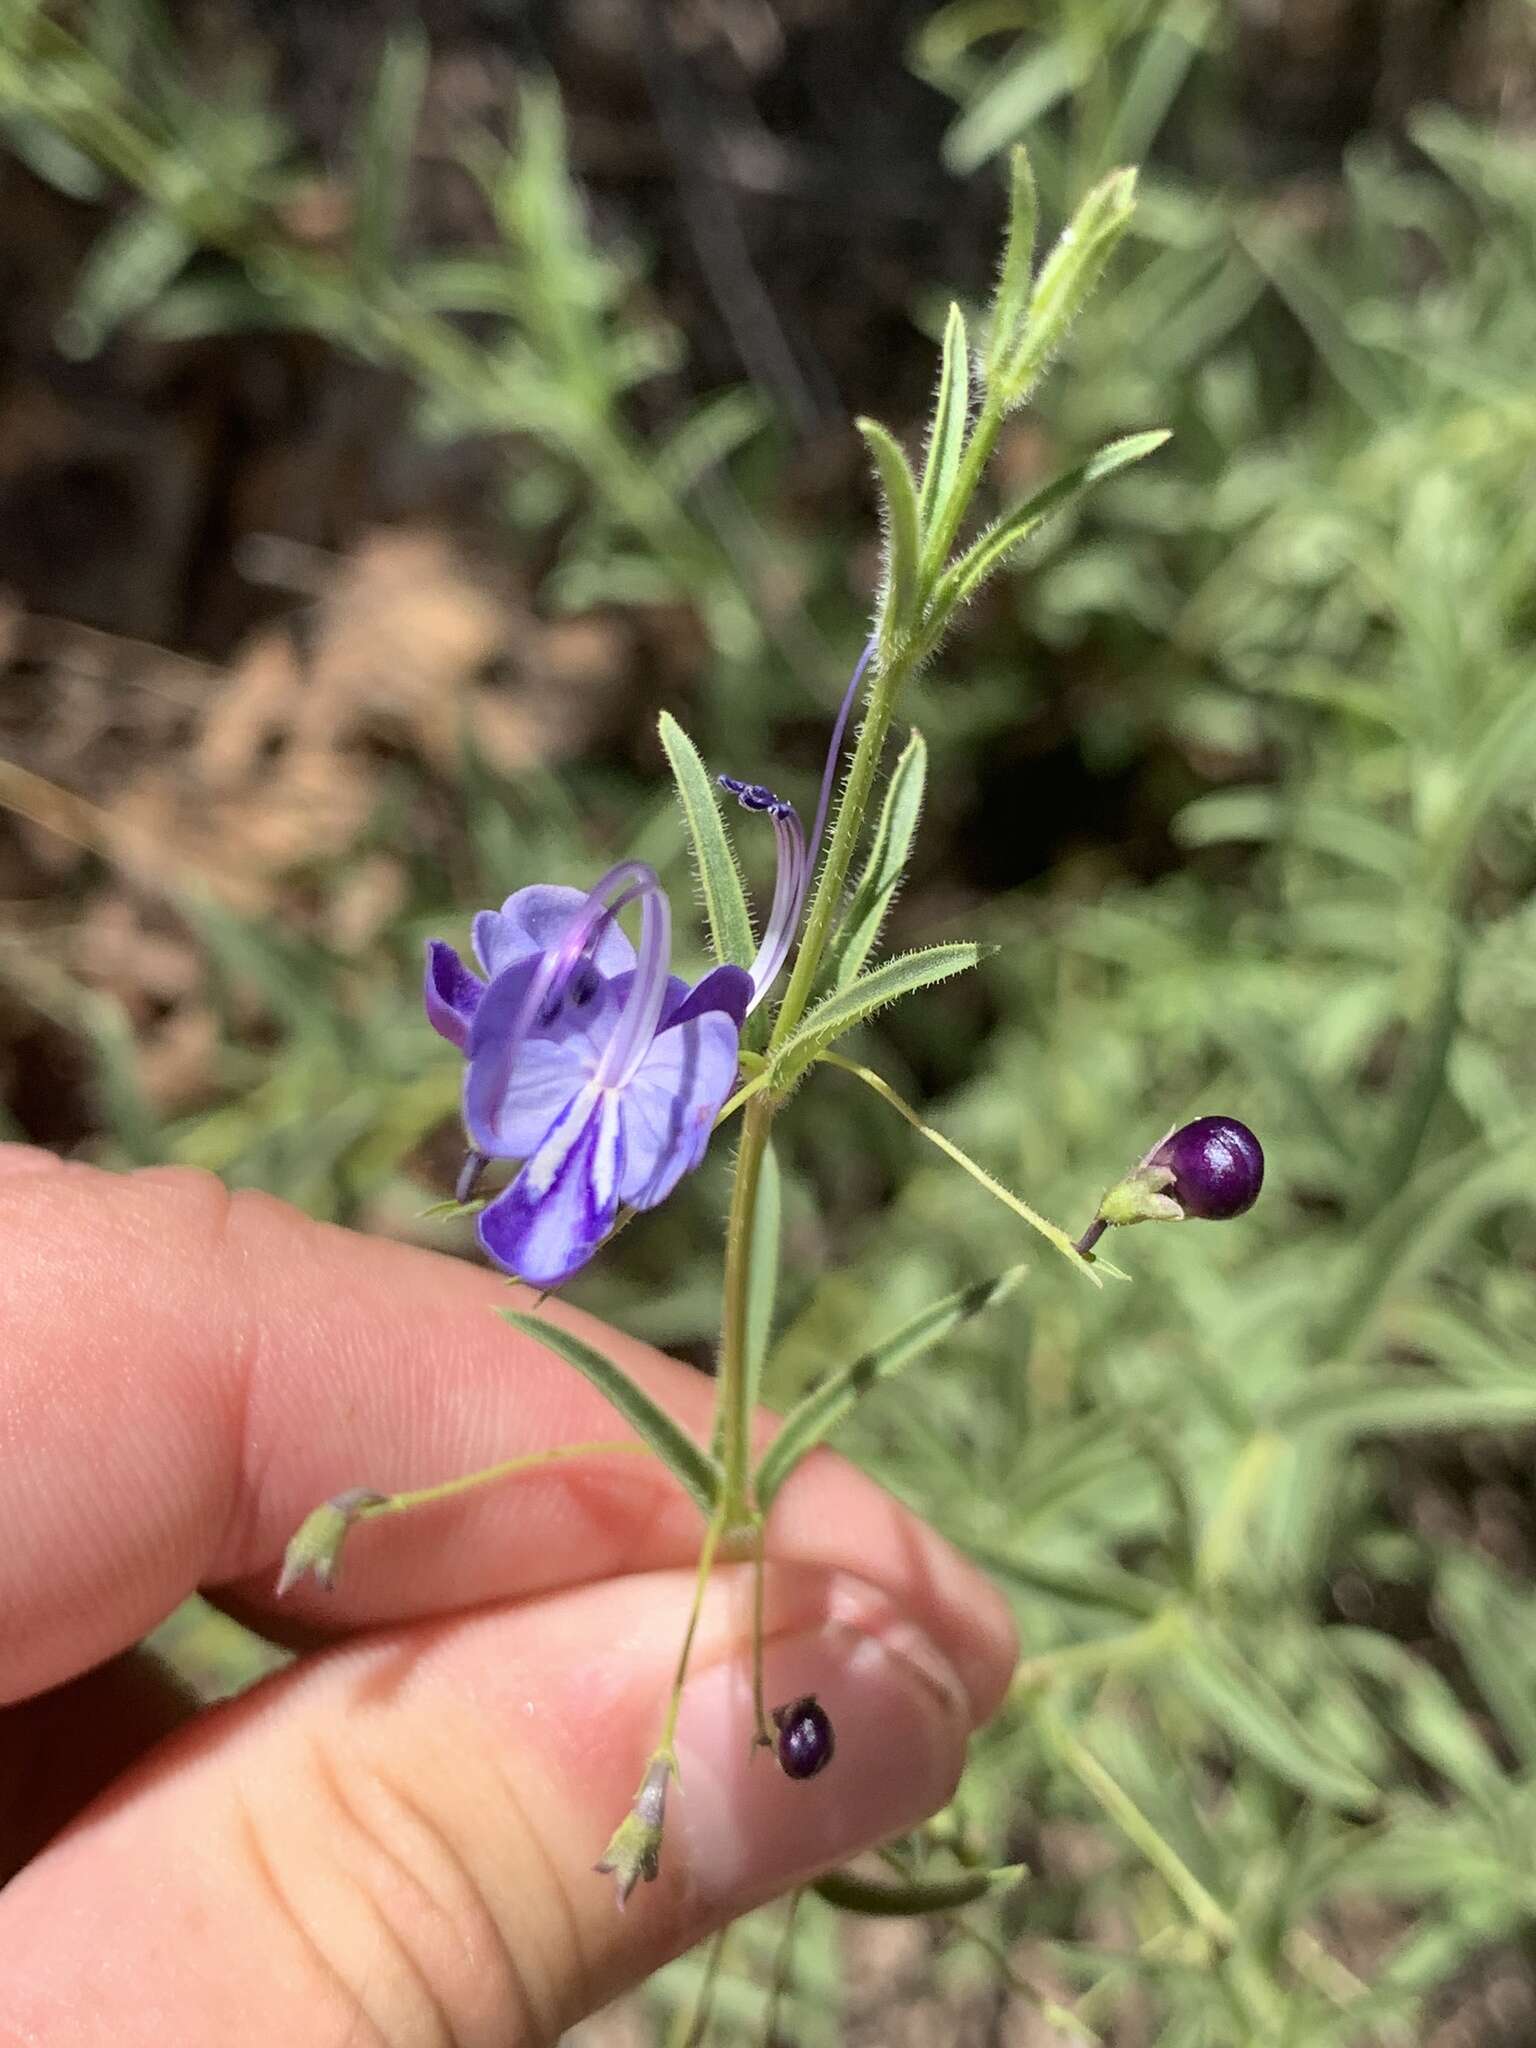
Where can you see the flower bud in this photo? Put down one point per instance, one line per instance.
(634, 1854)
(314, 1552)
(1211, 1169)
(1217, 1167)
(805, 1741)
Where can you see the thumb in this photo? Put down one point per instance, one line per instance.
(393, 1841)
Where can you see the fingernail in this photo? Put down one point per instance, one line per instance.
(744, 1830)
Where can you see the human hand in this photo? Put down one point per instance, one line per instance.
(391, 1842)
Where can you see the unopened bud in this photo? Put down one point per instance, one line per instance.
(315, 1550)
(634, 1854)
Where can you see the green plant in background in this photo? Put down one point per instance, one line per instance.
(1261, 1513)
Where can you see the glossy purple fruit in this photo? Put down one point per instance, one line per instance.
(1217, 1166)
(805, 1741)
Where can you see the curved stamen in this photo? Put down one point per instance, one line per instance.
(788, 886)
(834, 755)
(797, 855)
(632, 1036)
(630, 881)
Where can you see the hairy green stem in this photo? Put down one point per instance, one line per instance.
(733, 1428)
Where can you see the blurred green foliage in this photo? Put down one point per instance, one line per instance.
(1283, 1676)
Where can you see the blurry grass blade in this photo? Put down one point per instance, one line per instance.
(1426, 1713)
(840, 1012)
(689, 1464)
(384, 146)
(876, 888)
(991, 550)
(951, 412)
(1024, 88)
(1494, 1623)
(885, 1900)
(705, 438)
(1352, 1404)
(126, 271)
(1011, 299)
(714, 859)
(1257, 1720)
(900, 519)
(814, 1418)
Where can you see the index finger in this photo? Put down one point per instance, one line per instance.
(188, 1372)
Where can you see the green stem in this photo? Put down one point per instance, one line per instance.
(706, 1565)
(733, 1425)
(845, 836)
(426, 1496)
(978, 453)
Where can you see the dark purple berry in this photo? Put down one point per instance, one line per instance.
(805, 1741)
(1217, 1166)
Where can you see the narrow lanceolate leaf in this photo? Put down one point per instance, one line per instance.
(725, 901)
(1349, 1404)
(1010, 301)
(886, 1900)
(384, 148)
(899, 501)
(1257, 1720)
(876, 888)
(992, 548)
(838, 1013)
(952, 409)
(1067, 278)
(689, 1464)
(128, 270)
(814, 1418)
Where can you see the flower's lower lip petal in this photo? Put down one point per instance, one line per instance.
(508, 1115)
(563, 1203)
(670, 1105)
(452, 994)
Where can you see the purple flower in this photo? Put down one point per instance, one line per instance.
(587, 1059)
(1217, 1167)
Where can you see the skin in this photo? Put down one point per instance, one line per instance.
(391, 1841)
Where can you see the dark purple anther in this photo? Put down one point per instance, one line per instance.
(1217, 1166)
(753, 796)
(805, 1743)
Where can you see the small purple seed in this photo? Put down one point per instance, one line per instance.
(1217, 1166)
(806, 1742)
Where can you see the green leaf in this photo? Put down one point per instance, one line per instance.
(876, 888)
(714, 859)
(840, 1012)
(1011, 299)
(129, 267)
(992, 548)
(1012, 102)
(689, 1464)
(1425, 1713)
(951, 413)
(1348, 1404)
(1258, 1721)
(1067, 278)
(384, 143)
(899, 497)
(814, 1418)
(922, 1895)
(1494, 1624)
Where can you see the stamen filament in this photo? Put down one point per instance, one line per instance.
(630, 881)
